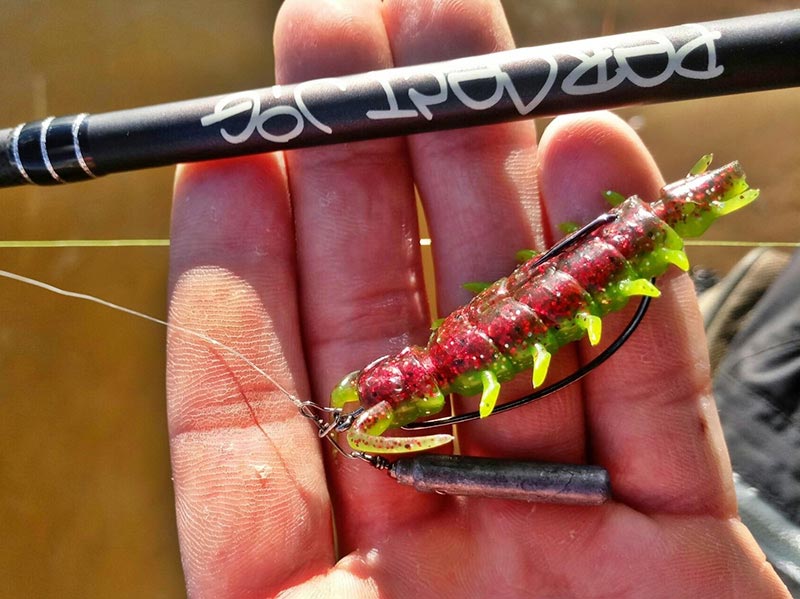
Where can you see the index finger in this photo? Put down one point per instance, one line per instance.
(247, 469)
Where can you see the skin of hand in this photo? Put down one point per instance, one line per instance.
(315, 288)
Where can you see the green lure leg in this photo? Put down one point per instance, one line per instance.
(525, 255)
(491, 390)
(541, 364)
(639, 287)
(476, 286)
(675, 257)
(568, 227)
(593, 325)
(614, 198)
(701, 165)
(735, 203)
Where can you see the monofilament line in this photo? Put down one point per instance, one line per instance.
(196, 334)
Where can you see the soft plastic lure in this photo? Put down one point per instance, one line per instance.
(518, 322)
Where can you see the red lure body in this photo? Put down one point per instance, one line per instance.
(517, 322)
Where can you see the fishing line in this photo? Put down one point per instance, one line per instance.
(83, 296)
(425, 242)
(83, 243)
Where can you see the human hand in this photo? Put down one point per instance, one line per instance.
(312, 290)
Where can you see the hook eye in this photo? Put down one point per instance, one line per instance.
(338, 421)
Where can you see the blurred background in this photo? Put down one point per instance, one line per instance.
(86, 506)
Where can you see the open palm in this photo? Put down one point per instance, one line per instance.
(315, 288)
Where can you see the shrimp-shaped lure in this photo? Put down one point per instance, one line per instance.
(518, 322)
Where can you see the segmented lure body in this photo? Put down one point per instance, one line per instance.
(519, 321)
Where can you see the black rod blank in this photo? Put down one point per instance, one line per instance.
(675, 63)
(570, 484)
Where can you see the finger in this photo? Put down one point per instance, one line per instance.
(252, 506)
(361, 284)
(479, 189)
(651, 417)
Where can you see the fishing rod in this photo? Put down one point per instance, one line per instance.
(744, 54)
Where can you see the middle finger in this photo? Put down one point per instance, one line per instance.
(479, 190)
(361, 289)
